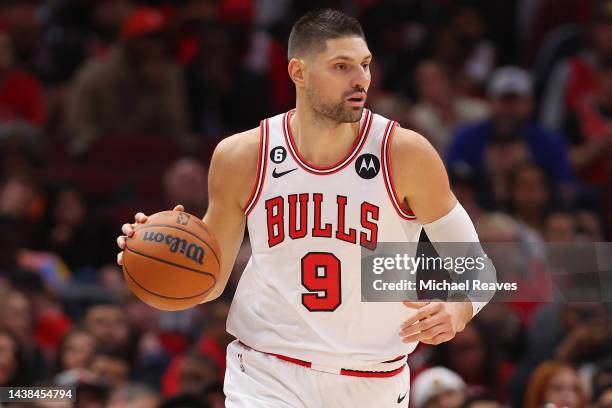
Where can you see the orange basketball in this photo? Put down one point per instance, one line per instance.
(172, 261)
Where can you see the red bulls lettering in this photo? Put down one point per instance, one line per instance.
(301, 220)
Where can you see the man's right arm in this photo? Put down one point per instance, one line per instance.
(231, 177)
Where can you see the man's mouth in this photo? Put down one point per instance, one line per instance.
(357, 99)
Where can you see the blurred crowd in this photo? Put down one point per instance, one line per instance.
(109, 107)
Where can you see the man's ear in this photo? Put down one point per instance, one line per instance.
(296, 71)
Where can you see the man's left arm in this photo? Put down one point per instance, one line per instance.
(422, 185)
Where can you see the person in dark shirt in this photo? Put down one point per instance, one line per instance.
(496, 145)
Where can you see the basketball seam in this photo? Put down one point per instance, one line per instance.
(188, 232)
(173, 264)
(163, 296)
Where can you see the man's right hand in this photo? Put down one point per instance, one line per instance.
(128, 231)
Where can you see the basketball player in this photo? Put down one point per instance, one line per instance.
(314, 185)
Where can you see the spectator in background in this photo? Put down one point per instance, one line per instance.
(136, 88)
(590, 226)
(575, 333)
(440, 109)
(83, 243)
(110, 368)
(529, 196)
(576, 77)
(22, 149)
(21, 94)
(560, 226)
(555, 383)
(437, 387)
(17, 316)
(134, 396)
(494, 146)
(186, 182)
(197, 372)
(464, 48)
(13, 369)
(386, 102)
(589, 130)
(154, 346)
(108, 324)
(473, 355)
(21, 200)
(74, 355)
(211, 345)
(224, 96)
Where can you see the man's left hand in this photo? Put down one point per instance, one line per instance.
(435, 322)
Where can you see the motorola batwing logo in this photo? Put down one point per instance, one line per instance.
(367, 166)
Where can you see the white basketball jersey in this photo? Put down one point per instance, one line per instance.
(300, 294)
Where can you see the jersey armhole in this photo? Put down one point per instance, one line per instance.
(261, 167)
(388, 176)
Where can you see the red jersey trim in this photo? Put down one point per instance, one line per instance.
(355, 149)
(343, 371)
(262, 162)
(388, 176)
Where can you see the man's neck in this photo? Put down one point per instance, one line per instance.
(321, 141)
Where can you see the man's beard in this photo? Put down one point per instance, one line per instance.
(338, 112)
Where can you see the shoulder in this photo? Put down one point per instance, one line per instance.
(408, 143)
(233, 167)
(239, 147)
(412, 155)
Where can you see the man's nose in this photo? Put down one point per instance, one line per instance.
(361, 80)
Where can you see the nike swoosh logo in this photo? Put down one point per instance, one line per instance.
(282, 173)
(400, 398)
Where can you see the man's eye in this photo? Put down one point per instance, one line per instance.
(340, 67)
(365, 66)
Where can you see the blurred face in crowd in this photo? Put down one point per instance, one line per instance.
(186, 182)
(17, 314)
(564, 389)
(446, 399)
(334, 81)
(560, 227)
(149, 55)
(502, 157)
(17, 196)
(78, 349)
(69, 207)
(432, 82)
(530, 195)
(466, 352)
(590, 227)
(510, 111)
(8, 362)
(110, 370)
(196, 374)
(108, 325)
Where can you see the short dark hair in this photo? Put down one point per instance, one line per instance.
(316, 27)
